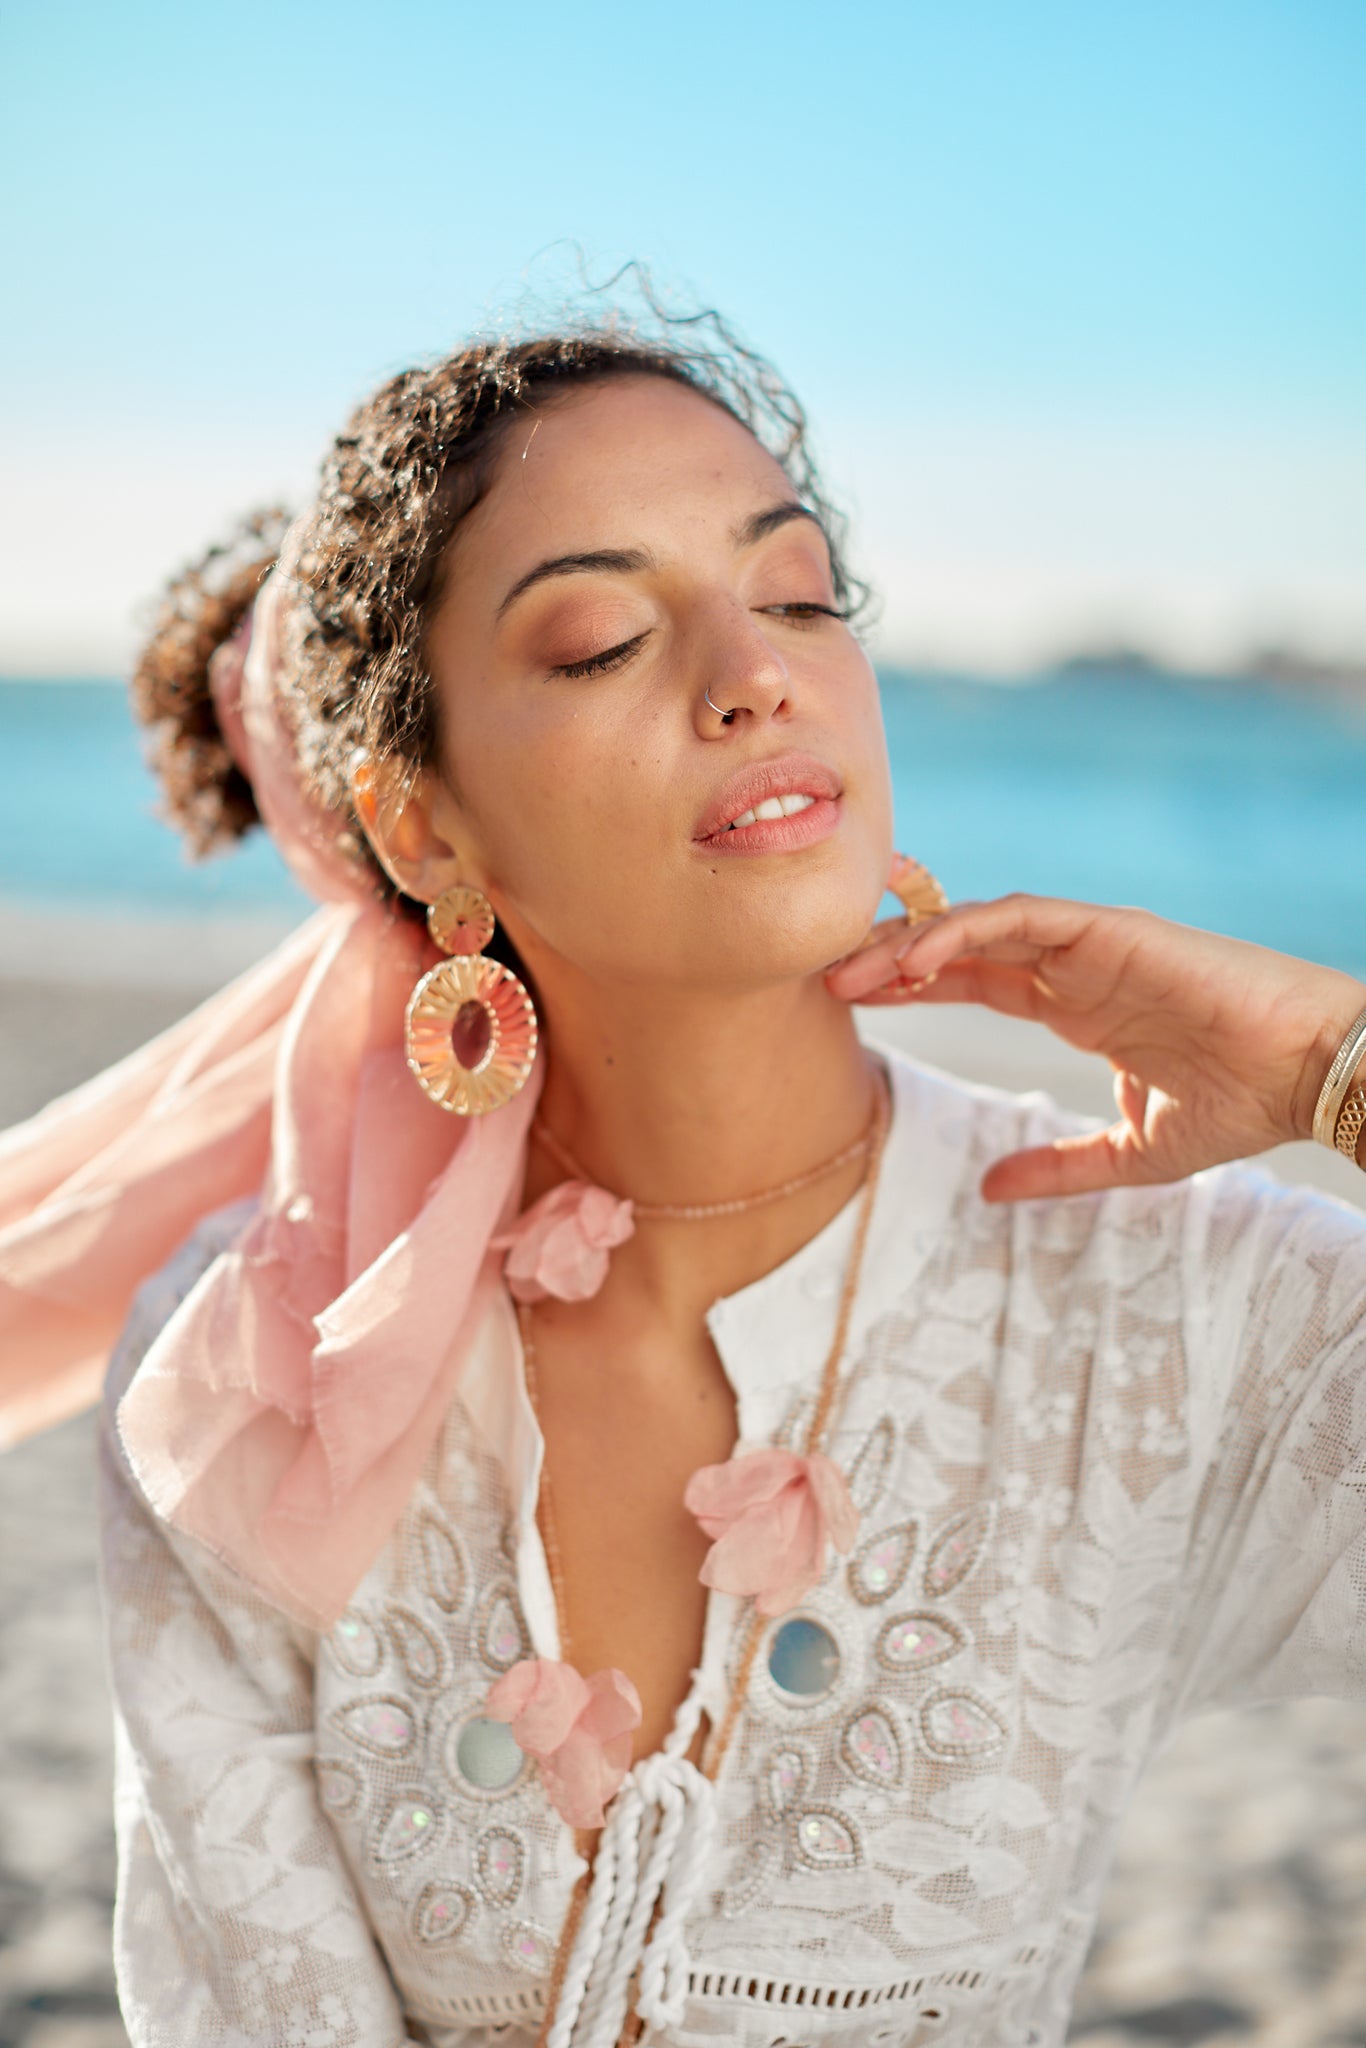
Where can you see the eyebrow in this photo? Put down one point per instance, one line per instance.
(619, 561)
(628, 561)
(760, 524)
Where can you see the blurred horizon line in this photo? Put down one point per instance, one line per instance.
(1282, 662)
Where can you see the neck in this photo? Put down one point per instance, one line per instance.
(703, 1098)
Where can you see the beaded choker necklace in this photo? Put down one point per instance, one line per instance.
(698, 1212)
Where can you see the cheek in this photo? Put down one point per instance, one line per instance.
(571, 810)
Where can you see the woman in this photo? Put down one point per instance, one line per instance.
(699, 1545)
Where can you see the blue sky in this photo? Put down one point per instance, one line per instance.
(1076, 295)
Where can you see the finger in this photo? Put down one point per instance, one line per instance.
(1042, 923)
(1131, 1098)
(1083, 1165)
(1010, 991)
(872, 964)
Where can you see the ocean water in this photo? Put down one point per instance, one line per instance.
(1233, 804)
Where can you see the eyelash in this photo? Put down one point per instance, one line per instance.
(611, 657)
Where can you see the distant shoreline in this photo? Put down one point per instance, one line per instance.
(1287, 666)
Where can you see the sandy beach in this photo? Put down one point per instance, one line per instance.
(1236, 1911)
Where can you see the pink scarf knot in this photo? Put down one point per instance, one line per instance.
(560, 1245)
(771, 1514)
(578, 1729)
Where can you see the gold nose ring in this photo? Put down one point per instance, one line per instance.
(724, 716)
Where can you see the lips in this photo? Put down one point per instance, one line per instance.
(767, 782)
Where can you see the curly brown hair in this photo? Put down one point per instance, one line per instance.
(411, 463)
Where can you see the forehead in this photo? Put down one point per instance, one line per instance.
(635, 449)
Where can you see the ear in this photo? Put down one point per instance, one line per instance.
(411, 820)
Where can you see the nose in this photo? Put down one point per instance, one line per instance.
(740, 677)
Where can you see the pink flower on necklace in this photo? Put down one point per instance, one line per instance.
(771, 1513)
(578, 1729)
(560, 1245)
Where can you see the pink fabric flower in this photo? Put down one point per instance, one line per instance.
(578, 1729)
(771, 1513)
(560, 1245)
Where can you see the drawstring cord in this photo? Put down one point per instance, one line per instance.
(652, 1852)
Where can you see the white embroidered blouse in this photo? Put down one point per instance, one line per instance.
(1110, 1459)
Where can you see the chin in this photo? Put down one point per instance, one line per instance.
(792, 932)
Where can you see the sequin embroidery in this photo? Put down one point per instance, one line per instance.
(878, 1567)
(958, 1724)
(499, 1860)
(356, 1644)
(916, 1642)
(871, 1747)
(383, 1724)
(442, 1912)
(410, 1825)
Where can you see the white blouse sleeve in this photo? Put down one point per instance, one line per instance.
(1275, 1571)
(236, 1922)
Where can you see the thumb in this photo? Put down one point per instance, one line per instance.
(1069, 1166)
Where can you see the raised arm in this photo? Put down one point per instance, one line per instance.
(1219, 1048)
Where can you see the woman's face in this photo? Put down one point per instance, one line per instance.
(637, 549)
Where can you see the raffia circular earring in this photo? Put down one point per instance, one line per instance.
(915, 888)
(470, 1030)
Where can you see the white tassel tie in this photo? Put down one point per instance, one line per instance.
(653, 1847)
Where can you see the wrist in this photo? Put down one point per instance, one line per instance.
(1311, 1116)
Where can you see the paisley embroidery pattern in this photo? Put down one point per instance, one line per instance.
(878, 1567)
(410, 1825)
(957, 1724)
(382, 1724)
(871, 1747)
(792, 1430)
(786, 1773)
(502, 1633)
(823, 1838)
(444, 1573)
(871, 1743)
(356, 1644)
(442, 1912)
(526, 1947)
(499, 1860)
(418, 1649)
(956, 1550)
(915, 1642)
(338, 1785)
(868, 1473)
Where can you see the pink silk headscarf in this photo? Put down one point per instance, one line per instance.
(284, 1412)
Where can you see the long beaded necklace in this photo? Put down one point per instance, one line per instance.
(873, 1142)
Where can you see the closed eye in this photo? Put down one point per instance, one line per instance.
(595, 664)
(806, 614)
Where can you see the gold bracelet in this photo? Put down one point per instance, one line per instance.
(1351, 1117)
(1329, 1127)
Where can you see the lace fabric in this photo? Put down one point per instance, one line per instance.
(1110, 1458)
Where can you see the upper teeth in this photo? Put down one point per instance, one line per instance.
(772, 807)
